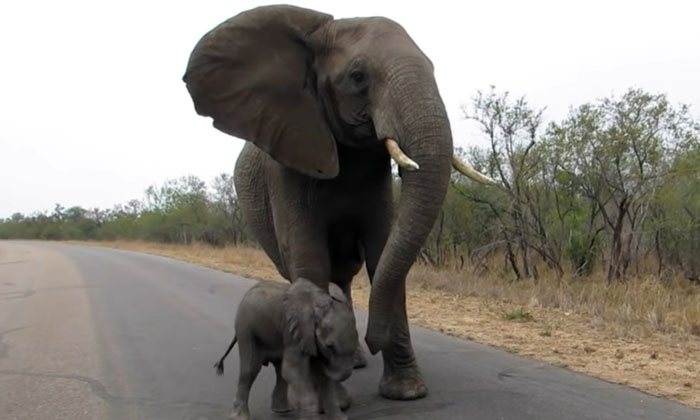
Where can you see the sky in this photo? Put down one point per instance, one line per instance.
(93, 108)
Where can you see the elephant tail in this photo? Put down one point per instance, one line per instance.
(220, 364)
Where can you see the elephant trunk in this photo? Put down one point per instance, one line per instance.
(415, 116)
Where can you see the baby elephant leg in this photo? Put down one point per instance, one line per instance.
(342, 396)
(328, 396)
(249, 369)
(296, 370)
(280, 404)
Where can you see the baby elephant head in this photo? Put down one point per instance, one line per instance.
(322, 325)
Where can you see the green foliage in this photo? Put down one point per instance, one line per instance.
(182, 210)
(580, 254)
(615, 181)
(675, 216)
(519, 314)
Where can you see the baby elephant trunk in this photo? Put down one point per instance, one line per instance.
(338, 369)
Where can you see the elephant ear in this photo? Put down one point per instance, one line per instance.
(337, 293)
(253, 74)
(304, 304)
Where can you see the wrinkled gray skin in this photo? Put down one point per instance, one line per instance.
(315, 98)
(308, 335)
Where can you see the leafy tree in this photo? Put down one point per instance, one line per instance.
(619, 152)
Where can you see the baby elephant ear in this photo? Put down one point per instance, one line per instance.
(337, 293)
(300, 315)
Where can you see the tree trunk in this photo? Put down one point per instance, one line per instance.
(615, 270)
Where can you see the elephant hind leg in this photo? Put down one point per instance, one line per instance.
(250, 365)
(254, 199)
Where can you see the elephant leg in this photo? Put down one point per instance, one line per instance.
(301, 229)
(280, 404)
(329, 400)
(347, 257)
(250, 365)
(359, 359)
(402, 379)
(342, 396)
(254, 199)
(296, 370)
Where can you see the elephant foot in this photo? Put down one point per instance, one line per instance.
(359, 359)
(403, 384)
(280, 408)
(310, 416)
(342, 396)
(280, 403)
(322, 416)
(240, 413)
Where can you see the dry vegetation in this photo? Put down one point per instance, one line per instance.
(641, 332)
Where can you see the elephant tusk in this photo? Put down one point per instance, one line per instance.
(470, 172)
(399, 156)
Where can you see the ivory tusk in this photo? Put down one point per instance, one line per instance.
(399, 156)
(470, 172)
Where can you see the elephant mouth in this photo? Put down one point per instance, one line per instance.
(356, 134)
(365, 131)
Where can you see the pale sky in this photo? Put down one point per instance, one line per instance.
(93, 109)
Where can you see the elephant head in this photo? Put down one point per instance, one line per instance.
(298, 83)
(321, 325)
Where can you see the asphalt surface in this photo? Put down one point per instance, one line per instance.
(92, 333)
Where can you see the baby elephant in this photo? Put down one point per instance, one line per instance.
(307, 334)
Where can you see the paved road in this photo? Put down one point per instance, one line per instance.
(90, 333)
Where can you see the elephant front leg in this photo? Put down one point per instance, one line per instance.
(330, 399)
(342, 396)
(402, 379)
(359, 359)
(296, 370)
(280, 403)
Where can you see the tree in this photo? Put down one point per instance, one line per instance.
(619, 152)
(512, 128)
(227, 211)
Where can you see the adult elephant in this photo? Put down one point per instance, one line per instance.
(323, 104)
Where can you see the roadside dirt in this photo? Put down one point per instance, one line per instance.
(659, 364)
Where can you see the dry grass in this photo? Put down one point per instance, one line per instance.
(637, 307)
(641, 333)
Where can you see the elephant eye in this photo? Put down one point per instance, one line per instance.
(331, 348)
(358, 76)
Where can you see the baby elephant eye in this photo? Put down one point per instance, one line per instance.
(331, 348)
